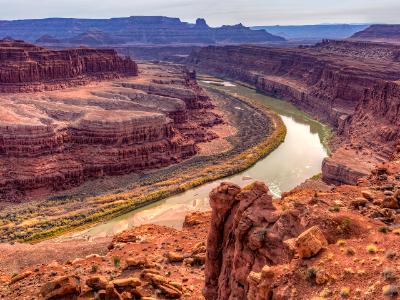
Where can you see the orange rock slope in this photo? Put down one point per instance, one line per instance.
(317, 242)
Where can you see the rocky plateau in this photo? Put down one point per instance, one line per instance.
(113, 122)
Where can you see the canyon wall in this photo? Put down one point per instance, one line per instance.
(353, 87)
(54, 140)
(25, 67)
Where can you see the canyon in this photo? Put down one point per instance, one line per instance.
(106, 120)
(351, 85)
(80, 117)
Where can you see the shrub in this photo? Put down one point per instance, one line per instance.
(389, 274)
(116, 261)
(390, 254)
(390, 290)
(371, 249)
(346, 223)
(311, 274)
(350, 251)
(335, 208)
(345, 292)
(383, 229)
(95, 268)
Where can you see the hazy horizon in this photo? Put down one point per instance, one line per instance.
(250, 12)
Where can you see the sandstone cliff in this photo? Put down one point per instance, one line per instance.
(26, 68)
(352, 86)
(55, 140)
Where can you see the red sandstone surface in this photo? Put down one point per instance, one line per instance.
(54, 140)
(352, 85)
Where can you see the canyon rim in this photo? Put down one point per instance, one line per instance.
(160, 124)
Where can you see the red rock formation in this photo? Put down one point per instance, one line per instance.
(247, 233)
(59, 139)
(293, 248)
(26, 68)
(352, 86)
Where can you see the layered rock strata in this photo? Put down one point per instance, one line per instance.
(352, 86)
(26, 68)
(59, 139)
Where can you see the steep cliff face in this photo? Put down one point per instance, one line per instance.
(352, 86)
(25, 67)
(310, 243)
(246, 233)
(59, 139)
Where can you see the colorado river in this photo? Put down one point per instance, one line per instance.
(298, 158)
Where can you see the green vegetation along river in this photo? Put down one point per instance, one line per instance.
(298, 158)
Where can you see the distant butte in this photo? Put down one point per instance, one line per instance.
(143, 30)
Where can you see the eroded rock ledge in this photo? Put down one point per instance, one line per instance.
(58, 139)
(351, 85)
(25, 67)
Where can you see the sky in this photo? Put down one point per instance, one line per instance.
(216, 12)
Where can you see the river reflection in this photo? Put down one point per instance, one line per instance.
(298, 158)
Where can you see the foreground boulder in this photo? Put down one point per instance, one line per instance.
(310, 242)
